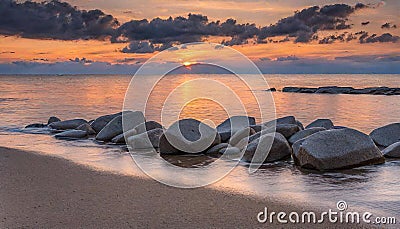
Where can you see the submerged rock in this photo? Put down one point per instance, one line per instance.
(305, 133)
(87, 128)
(336, 149)
(280, 149)
(325, 123)
(71, 134)
(233, 124)
(146, 140)
(115, 127)
(386, 135)
(188, 136)
(392, 151)
(53, 119)
(67, 124)
(36, 125)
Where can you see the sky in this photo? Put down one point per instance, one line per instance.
(280, 36)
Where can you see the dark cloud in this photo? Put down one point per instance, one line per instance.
(54, 20)
(287, 58)
(344, 37)
(365, 23)
(388, 25)
(304, 24)
(374, 38)
(83, 60)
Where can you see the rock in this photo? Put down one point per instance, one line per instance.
(99, 123)
(217, 148)
(149, 125)
(325, 123)
(304, 133)
(334, 90)
(115, 127)
(230, 151)
(300, 125)
(281, 121)
(36, 125)
(68, 124)
(71, 134)
(87, 128)
(336, 149)
(257, 128)
(239, 135)
(280, 149)
(287, 130)
(392, 151)
(188, 136)
(233, 124)
(146, 140)
(386, 135)
(53, 119)
(299, 90)
(272, 89)
(120, 139)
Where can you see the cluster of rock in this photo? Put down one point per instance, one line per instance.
(344, 90)
(320, 145)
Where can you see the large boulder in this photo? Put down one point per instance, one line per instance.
(239, 135)
(280, 149)
(67, 124)
(71, 134)
(336, 149)
(286, 130)
(233, 124)
(386, 135)
(53, 119)
(115, 127)
(217, 148)
(87, 128)
(188, 136)
(392, 151)
(149, 125)
(304, 133)
(146, 140)
(281, 121)
(99, 123)
(325, 123)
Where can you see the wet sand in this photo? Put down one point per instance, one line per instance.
(45, 191)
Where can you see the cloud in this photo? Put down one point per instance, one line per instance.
(287, 58)
(365, 23)
(304, 24)
(54, 20)
(374, 38)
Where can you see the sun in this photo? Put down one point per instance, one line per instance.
(187, 63)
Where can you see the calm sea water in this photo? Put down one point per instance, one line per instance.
(31, 99)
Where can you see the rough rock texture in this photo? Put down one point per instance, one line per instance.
(99, 123)
(149, 125)
(336, 149)
(120, 139)
(188, 136)
(325, 123)
(239, 135)
(87, 128)
(386, 135)
(67, 124)
(146, 140)
(279, 149)
(233, 124)
(392, 151)
(304, 133)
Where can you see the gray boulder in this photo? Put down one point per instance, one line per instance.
(230, 151)
(188, 136)
(67, 124)
(99, 123)
(115, 127)
(305, 133)
(386, 135)
(87, 128)
(325, 123)
(149, 125)
(233, 124)
(336, 149)
(280, 149)
(53, 119)
(146, 140)
(239, 135)
(392, 151)
(334, 90)
(286, 130)
(71, 134)
(120, 139)
(281, 121)
(217, 148)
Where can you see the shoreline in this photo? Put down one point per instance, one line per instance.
(47, 191)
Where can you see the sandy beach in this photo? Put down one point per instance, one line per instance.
(44, 191)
